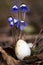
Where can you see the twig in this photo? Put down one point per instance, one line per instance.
(20, 35)
(33, 59)
(9, 60)
(37, 39)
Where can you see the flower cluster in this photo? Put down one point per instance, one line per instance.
(14, 21)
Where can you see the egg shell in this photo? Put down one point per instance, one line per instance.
(22, 50)
(30, 45)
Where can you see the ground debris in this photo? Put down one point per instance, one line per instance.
(6, 59)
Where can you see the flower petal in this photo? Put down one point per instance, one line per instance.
(15, 8)
(24, 8)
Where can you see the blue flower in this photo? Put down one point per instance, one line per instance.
(24, 8)
(22, 25)
(16, 23)
(10, 21)
(15, 8)
(15, 20)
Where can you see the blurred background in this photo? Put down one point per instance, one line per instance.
(34, 17)
(10, 35)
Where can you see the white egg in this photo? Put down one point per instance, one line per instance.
(22, 49)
